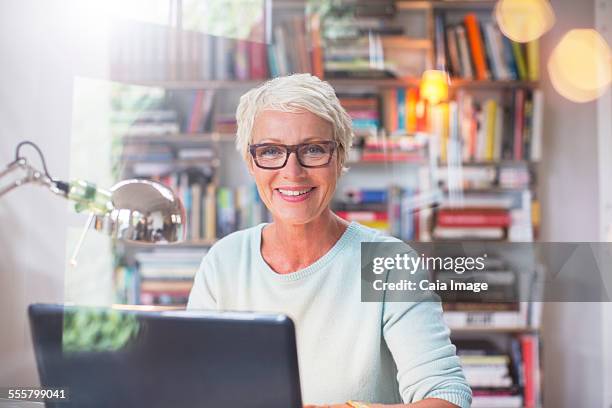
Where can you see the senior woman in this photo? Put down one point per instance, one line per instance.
(295, 137)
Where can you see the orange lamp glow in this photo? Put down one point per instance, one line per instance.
(434, 86)
(580, 67)
(524, 20)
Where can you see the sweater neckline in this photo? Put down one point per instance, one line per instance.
(346, 237)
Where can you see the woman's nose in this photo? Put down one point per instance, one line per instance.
(293, 167)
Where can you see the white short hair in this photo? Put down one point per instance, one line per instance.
(294, 93)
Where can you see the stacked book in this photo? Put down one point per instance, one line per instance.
(355, 42)
(391, 149)
(141, 157)
(146, 122)
(166, 275)
(474, 49)
(471, 223)
(514, 177)
(364, 111)
(498, 306)
(490, 373)
(225, 123)
(468, 177)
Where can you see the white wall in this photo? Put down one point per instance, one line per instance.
(569, 191)
(43, 44)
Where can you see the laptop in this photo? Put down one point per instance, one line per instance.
(117, 358)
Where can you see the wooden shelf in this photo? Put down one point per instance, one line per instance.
(486, 329)
(213, 162)
(205, 243)
(387, 162)
(445, 4)
(491, 163)
(182, 138)
(189, 85)
(335, 82)
(494, 189)
(490, 84)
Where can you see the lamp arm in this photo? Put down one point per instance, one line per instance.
(28, 174)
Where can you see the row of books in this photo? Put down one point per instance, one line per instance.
(485, 216)
(393, 211)
(290, 50)
(473, 49)
(493, 130)
(151, 52)
(396, 148)
(214, 212)
(404, 111)
(502, 378)
(483, 177)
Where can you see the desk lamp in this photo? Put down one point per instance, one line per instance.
(134, 210)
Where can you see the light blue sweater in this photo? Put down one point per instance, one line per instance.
(374, 352)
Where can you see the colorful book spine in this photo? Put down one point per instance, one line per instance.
(533, 60)
(401, 109)
(519, 105)
(476, 46)
(519, 58)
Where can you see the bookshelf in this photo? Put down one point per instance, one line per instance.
(398, 165)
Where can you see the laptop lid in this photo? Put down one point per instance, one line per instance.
(112, 358)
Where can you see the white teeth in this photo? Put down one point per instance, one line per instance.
(293, 193)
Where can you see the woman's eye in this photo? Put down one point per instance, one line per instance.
(270, 152)
(315, 149)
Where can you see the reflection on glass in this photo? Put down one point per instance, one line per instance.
(95, 330)
(524, 20)
(579, 66)
(240, 19)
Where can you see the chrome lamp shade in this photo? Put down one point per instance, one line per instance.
(143, 211)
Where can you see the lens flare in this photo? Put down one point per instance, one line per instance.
(524, 20)
(434, 86)
(579, 66)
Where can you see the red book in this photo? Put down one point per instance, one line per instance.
(258, 60)
(362, 103)
(363, 215)
(392, 156)
(527, 348)
(196, 112)
(519, 116)
(391, 103)
(412, 99)
(473, 218)
(476, 46)
(317, 50)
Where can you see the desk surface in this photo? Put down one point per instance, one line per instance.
(5, 403)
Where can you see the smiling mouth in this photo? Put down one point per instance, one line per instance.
(294, 193)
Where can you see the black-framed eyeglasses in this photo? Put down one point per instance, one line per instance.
(274, 156)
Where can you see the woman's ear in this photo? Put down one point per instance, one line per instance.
(250, 165)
